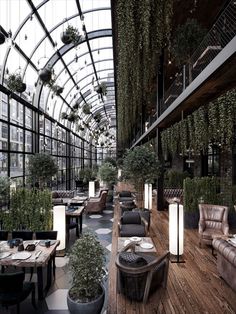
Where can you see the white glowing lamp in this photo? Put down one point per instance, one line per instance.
(91, 188)
(148, 195)
(59, 225)
(176, 229)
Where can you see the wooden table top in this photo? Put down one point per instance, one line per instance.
(77, 212)
(41, 261)
(138, 247)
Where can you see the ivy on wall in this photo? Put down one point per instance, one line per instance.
(213, 123)
(143, 28)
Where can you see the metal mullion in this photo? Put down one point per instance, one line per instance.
(89, 47)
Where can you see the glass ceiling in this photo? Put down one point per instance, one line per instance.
(33, 41)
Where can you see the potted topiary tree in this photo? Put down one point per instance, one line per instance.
(87, 261)
(108, 174)
(140, 166)
(41, 168)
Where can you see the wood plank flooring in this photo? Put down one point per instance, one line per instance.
(193, 287)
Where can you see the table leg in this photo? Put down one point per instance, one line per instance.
(77, 227)
(80, 222)
(40, 282)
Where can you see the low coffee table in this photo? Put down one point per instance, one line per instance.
(138, 248)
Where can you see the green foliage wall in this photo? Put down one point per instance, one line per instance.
(29, 209)
(212, 190)
(174, 179)
(213, 123)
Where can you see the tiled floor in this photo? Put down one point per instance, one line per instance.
(55, 302)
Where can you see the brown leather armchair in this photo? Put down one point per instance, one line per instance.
(139, 275)
(213, 222)
(96, 205)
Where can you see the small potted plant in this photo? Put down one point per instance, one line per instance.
(45, 75)
(15, 83)
(57, 90)
(86, 109)
(101, 89)
(87, 261)
(70, 35)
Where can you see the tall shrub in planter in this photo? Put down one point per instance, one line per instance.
(140, 165)
(29, 209)
(108, 174)
(205, 190)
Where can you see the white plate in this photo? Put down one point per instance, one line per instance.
(135, 239)
(146, 245)
(233, 240)
(21, 255)
(4, 254)
(127, 242)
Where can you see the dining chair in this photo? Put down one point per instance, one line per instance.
(141, 274)
(22, 234)
(3, 235)
(14, 290)
(48, 235)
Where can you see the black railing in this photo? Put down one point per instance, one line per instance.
(222, 32)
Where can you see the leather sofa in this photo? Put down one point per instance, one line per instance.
(226, 261)
(213, 222)
(62, 197)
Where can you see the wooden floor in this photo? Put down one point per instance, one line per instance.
(193, 287)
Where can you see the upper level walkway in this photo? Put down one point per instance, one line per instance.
(211, 71)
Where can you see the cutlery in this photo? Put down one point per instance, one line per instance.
(37, 254)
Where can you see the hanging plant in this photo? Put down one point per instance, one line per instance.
(64, 115)
(86, 109)
(57, 90)
(76, 106)
(72, 117)
(97, 117)
(2, 38)
(70, 35)
(45, 75)
(15, 84)
(101, 89)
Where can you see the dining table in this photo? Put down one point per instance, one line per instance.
(38, 259)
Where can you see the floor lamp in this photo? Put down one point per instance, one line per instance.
(176, 230)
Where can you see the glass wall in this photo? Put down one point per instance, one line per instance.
(24, 131)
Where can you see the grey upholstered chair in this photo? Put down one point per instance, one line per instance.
(213, 222)
(139, 275)
(133, 224)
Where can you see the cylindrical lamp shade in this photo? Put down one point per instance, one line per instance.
(150, 196)
(176, 239)
(146, 195)
(91, 188)
(59, 225)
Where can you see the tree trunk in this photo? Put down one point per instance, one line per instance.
(139, 198)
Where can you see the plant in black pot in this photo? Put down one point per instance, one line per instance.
(15, 83)
(45, 75)
(87, 261)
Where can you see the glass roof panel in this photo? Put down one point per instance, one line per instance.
(29, 35)
(53, 12)
(97, 20)
(12, 13)
(91, 4)
(32, 39)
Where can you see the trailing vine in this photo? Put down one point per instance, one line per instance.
(210, 124)
(143, 29)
